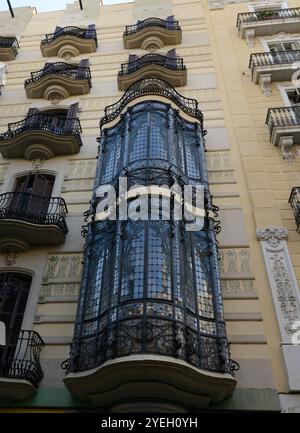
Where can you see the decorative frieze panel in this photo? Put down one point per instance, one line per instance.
(221, 177)
(238, 286)
(80, 175)
(62, 275)
(218, 161)
(235, 261)
(63, 267)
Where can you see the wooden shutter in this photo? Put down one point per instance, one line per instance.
(89, 34)
(43, 185)
(172, 54)
(170, 18)
(132, 58)
(30, 118)
(58, 30)
(71, 115)
(84, 63)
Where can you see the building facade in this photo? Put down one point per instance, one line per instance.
(131, 315)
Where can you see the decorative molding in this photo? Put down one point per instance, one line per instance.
(265, 83)
(283, 283)
(37, 164)
(10, 258)
(218, 161)
(249, 36)
(286, 144)
(213, 5)
(235, 261)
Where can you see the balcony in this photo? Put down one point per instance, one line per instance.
(277, 66)
(172, 70)
(284, 125)
(58, 81)
(152, 33)
(20, 369)
(29, 220)
(41, 136)
(263, 23)
(69, 42)
(294, 201)
(8, 48)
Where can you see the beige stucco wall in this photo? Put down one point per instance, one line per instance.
(249, 180)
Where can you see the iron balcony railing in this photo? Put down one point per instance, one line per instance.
(283, 117)
(20, 358)
(72, 31)
(9, 43)
(151, 22)
(54, 124)
(152, 59)
(278, 58)
(63, 69)
(294, 201)
(34, 209)
(267, 15)
(151, 86)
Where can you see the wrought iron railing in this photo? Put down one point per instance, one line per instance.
(20, 358)
(278, 58)
(294, 201)
(72, 31)
(152, 59)
(58, 125)
(61, 68)
(152, 86)
(151, 22)
(267, 15)
(9, 43)
(34, 209)
(283, 117)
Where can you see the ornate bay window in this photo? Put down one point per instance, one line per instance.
(150, 316)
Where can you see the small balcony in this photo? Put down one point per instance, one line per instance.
(29, 220)
(20, 369)
(58, 81)
(41, 136)
(69, 42)
(172, 70)
(278, 66)
(152, 33)
(294, 201)
(8, 48)
(268, 22)
(284, 125)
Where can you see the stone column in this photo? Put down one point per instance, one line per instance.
(286, 298)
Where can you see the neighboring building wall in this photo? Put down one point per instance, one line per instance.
(265, 181)
(248, 178)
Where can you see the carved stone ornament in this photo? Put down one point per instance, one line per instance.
(288, 151)
(10, 258)
(282, 279)
(272, 235)
(249, 36)
(265, 83)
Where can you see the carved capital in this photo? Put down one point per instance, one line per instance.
(249, 36)
(272, 235)
(265, 83)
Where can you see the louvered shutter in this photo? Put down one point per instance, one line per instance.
(31, 117)
(71, 115)
(81, 73)
(172, 54)
(90, 31)
(131, 59)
